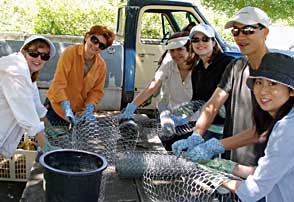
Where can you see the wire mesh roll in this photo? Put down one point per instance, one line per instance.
(168, 178)
(132, 164)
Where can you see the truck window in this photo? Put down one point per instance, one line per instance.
(153, 27)
(158, 25)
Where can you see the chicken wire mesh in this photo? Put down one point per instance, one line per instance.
(167, 178)
(99, 137)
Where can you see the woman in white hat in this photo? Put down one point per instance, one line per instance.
(173, 77)
(273, 114)
(20, 105)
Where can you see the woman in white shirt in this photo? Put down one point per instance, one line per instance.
(174, 79)
(20, 105)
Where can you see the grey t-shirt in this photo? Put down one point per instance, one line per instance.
(239, 110)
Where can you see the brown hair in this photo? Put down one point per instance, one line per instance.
(101, 30)
(34, 45)
(194, 57)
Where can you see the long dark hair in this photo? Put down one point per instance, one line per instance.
(263, 121)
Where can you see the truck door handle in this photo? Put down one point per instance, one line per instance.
(141, 55)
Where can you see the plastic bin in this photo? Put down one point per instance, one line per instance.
(72, 175)
(18, 167)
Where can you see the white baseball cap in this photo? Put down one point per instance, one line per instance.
(34, 37)
(203, 28)
(249, 16)
(176, 42)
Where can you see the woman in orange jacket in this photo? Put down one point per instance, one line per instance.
(78, 83)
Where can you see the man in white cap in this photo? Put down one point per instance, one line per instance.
(250, 30)
(20, 105)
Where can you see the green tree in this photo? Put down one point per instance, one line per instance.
(71, 17)
(278, 10)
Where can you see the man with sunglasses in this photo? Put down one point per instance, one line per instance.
(250, 30)
(21, 110)
(78, 83)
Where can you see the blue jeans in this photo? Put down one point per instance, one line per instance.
(53, 117)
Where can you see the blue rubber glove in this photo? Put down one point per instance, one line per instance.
(179, 121)
(167, 123)
(187, 144)
(88, 114)
(205, 151)
(48, 147)
(129, 111)
(69, 116)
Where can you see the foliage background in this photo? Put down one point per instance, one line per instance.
(75, 17)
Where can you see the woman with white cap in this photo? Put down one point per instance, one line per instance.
(273, 114)
(208, 64)
(20, 105)
(175, 76)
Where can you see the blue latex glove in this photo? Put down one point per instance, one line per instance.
(69, 116)
(187, 144)
(48, 147)
(179, 121)
(205, 151)
(167, 123)
(88, 114)
(129, 111)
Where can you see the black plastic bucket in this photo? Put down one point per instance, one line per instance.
(72, 175)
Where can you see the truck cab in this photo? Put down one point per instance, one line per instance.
(143, 28)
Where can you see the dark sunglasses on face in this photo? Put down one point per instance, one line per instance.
(203, 39)
(247, 30)
(35, 54)
(96, 41)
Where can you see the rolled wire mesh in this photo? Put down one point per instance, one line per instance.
(167, 178)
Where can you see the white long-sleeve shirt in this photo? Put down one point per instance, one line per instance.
(20, 105)
(274, 175)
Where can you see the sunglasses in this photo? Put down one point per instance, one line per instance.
(96, 41)
(35, 54)
(247, 30)
(203, 39)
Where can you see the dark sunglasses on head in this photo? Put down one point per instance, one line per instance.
(35, 54)
(96, 41)
(203, 39)
(247, 30)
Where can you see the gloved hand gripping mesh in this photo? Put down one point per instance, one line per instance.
(189, 109)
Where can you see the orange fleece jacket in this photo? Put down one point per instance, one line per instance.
(70, 84)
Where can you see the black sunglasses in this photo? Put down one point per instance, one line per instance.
(247, 30)
(203, 39)
(35, 54)
(96, 41)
